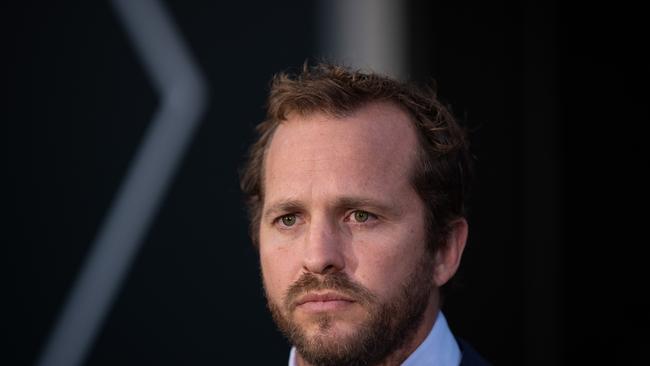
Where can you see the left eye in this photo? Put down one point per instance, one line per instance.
(288, 220)
(361, 216)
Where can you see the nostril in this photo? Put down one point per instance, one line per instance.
(329, 269)
(325, 264)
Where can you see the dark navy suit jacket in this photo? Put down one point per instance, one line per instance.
(469, 355)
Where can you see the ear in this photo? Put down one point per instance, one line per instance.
(448, 256)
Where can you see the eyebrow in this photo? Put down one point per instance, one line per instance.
(293, 205)
(283, 206)
(353, 202)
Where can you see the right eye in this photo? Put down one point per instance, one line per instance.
(288, 220)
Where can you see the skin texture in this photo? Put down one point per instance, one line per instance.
(339, 206)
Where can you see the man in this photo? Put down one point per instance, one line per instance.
(356, 189)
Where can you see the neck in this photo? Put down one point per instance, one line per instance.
(400, 355)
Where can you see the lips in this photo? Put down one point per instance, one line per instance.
(323, 301)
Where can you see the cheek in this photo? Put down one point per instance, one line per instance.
(275, 272)
(269, 274)
(388, 258)
(378, 271)
(269, 265)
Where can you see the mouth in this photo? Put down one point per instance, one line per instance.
(328, 301)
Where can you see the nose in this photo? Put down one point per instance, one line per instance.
(323, 248)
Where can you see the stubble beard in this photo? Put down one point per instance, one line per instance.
(388, 326)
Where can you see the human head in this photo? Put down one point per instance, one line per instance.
(330, 131)
(441, 172)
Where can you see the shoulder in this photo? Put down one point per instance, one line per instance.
(470, 357)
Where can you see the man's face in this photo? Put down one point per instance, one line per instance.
(342, 237)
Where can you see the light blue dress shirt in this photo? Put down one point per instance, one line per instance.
(439, 348)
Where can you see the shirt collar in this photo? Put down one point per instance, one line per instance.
(439, 348)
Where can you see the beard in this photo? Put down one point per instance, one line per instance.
(388, 326)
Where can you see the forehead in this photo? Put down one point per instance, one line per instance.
(371, 150)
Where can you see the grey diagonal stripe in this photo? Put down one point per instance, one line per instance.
(183, 95)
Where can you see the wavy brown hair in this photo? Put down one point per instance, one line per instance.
(441, 172)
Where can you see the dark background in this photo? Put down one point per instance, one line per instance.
(556, 96)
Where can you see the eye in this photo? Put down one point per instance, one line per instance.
(288, 220)
(361, 216)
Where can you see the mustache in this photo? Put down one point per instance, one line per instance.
(338, 281)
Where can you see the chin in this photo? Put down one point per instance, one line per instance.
(327, 326)
(322, 343)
